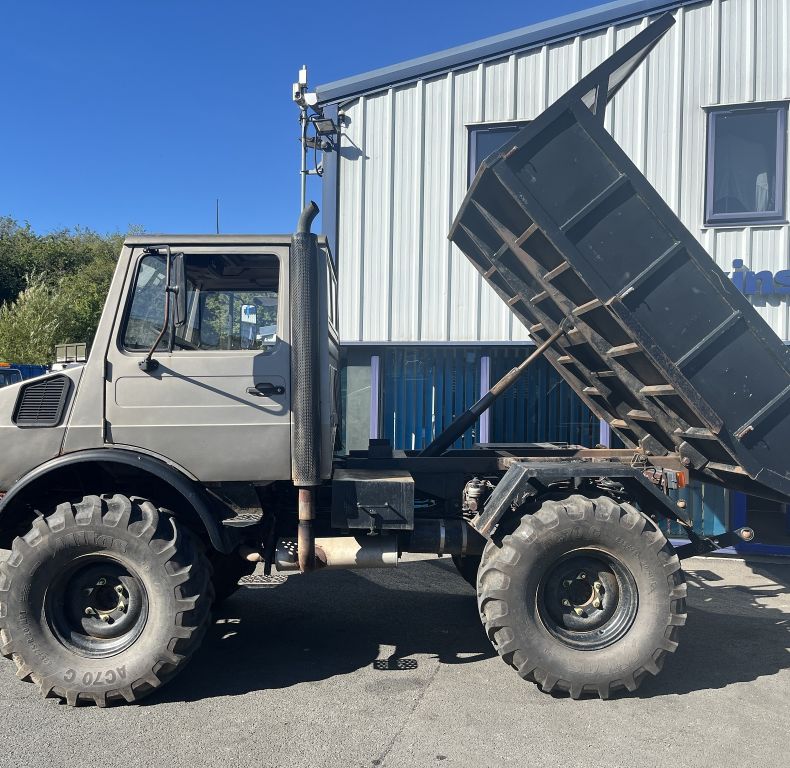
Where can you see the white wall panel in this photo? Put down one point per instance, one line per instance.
(436, 211)
(406, 255)
(404, 163)
(736, 51)
(379, 170)
(464, 307)
(351, 222)
(531, 82)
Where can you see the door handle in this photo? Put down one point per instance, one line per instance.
(265, 389)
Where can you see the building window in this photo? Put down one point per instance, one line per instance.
(746, 165)
(484, 140)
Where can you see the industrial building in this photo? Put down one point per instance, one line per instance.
(705, 119)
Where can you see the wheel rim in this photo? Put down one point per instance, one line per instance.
(98, 608)
(588, 599)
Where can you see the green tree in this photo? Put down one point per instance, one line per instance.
(81, 298)
(64, 274)
(29, 325)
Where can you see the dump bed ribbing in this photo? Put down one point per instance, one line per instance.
(563, 225)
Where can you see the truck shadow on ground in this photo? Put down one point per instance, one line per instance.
(734, 633)
(311, 628)
(333, 623)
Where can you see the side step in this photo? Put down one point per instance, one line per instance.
(245, 520)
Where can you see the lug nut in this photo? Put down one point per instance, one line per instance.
(596, 603)
(582, 575)
(578, 611)
(101, 582)
(566, 603)
(105, 618)
(597, 586)
(89, 611)
(119, 589)
(567, 583)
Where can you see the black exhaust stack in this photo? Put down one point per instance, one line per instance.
(305, 350)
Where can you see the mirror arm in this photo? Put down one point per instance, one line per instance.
(148, 363)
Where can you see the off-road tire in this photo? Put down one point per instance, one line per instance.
(105, 532)
(513, 572)
(467, 566)
(228, 569)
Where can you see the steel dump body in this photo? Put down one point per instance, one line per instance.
(562, 224)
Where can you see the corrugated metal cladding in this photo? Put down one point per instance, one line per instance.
(404, 155)
(425, 388)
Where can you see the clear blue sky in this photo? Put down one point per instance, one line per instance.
(143, 112)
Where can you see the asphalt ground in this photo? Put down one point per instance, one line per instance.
(392, 668)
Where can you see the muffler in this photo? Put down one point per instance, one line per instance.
(341, 552)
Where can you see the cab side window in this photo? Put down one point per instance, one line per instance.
(148, 305)
(232, 303)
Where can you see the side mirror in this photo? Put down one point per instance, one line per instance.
(180, 289)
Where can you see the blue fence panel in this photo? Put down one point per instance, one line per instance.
(708, 507)
(424, 389)
(540, 407)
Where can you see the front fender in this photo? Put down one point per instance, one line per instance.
(191, 491)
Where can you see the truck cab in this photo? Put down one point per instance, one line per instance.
(215, 402)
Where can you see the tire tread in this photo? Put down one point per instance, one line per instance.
(184, 564)
(501, 557)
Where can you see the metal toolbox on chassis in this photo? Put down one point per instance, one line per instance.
(373, 500)
(660, 343)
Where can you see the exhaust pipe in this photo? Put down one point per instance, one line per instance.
(339, 552)
(431, 536)
(305, 417)
(442, 537)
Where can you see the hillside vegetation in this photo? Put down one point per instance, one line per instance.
(52, 288)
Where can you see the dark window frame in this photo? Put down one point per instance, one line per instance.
(744, 218)
(472, 159)
(164, 344)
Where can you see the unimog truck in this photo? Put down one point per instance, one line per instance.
(199, 441)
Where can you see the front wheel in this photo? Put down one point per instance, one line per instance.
(103, 600)
(584, 596)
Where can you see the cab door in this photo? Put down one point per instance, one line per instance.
(217, 402)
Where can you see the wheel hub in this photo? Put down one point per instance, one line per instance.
(587, 599)
(107, 600)
(99, 608)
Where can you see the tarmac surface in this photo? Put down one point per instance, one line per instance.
(392, 668)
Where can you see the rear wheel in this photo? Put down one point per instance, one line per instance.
(104, 600)
(584, 596)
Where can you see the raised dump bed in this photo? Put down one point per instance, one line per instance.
(563, 225)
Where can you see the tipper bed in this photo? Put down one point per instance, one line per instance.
(562, 224)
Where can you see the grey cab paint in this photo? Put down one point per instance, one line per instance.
(194, 410)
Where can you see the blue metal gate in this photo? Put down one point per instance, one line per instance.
(540, 407)
(424, 388)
